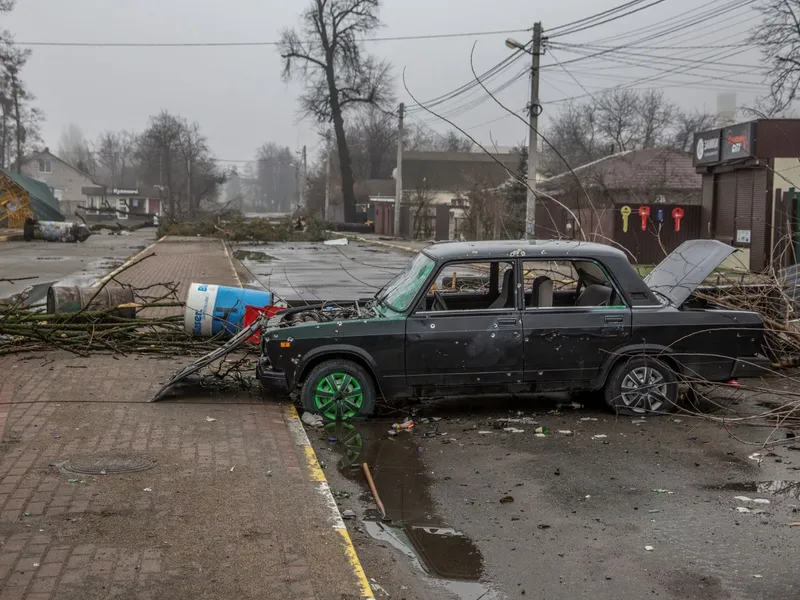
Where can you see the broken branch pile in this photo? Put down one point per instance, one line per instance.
(97, 331)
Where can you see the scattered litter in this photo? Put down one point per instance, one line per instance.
(147, 489)
(565, 432)
(639, 421)
(540, 435)
(76, 481)
(336, 242)
(35, 564)
(676, 420)
(484, 432)
(543, 430)
(588, 419)
(758, 576)
(742, 509)
(513, 430)
(522, 420)
(542, 526)
(232, 468)
(348, 514)
(600, 436)
(515, 518)
(794, 524)
(26, 514)
(756, 500)
(649, 548)
(653, 511)
(757, 456)
(661, 491)
(332, 440)
(392, 432)
(210, 419)
(311, 419)
(506, 499)
(406, 425)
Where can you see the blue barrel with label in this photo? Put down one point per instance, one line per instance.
(212, 309)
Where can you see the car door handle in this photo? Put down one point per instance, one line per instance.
(615, 319)
(506, 321)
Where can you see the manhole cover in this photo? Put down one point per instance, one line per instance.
(108, 465)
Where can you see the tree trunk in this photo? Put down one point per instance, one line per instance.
(348, 192)
(4, 136)
(18, 121)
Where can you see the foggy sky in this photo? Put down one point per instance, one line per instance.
(237, 95)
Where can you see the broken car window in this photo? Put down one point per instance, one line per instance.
(563, 284)
(402, 290)
(472, 286)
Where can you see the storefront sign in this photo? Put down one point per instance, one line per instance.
(738, 141)
(706, 147)
(125, 192)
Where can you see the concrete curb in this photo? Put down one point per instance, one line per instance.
(358, 238)
(298, 433)
(233, 265)
(128, 262)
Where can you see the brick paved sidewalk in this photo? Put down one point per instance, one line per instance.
(230, 509)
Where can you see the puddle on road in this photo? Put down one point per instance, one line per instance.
(413, 526)
(252, 256)
(787, 489)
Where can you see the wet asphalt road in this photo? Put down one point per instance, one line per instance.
(315, 272)
(66, 264)
(584, 511)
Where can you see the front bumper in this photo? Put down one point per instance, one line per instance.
(750, 366)
(271, 380)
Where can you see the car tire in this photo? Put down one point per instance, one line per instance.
(339, 390)
(642, 385)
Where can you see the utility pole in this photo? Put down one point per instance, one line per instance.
(304, 179)
(398, 174)
(328, 186)
(533, 141)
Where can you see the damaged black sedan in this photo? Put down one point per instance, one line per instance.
(516, 317)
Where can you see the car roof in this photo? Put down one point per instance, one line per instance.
(521, 248)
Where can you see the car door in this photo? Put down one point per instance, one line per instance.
(474, 340)
(569, 332)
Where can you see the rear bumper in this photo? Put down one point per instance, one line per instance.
(750, 366)
(272, 381)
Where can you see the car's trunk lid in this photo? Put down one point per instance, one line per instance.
(679, 274)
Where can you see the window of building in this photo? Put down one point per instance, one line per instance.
(45, 165)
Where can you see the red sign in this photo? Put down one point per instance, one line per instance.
(677, 215)
(644, 212)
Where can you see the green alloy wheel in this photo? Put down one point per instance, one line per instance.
(339, 390)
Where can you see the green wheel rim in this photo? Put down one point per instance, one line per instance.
(338, 396)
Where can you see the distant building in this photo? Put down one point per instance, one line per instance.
(141, 203)
(66, 181)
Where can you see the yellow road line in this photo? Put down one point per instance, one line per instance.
(317, 475)
(233, 266)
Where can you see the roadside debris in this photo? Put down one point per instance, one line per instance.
(336, 242)
(210, 419)
(661, 491)
(312, 419)
(513, 430)
(599, 436)
(754, 500)
(506, 499)
(649, 548)
(348, 514)
(147, 489)
(566, 432)
(374, 491)
(406, 425)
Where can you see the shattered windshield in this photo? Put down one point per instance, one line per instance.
(400, 291)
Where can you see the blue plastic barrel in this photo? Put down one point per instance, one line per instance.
(211, 308)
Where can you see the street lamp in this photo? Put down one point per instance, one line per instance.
(515, 45)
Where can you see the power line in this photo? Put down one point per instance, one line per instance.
(596, 15)
(437, 36)
(608, 20)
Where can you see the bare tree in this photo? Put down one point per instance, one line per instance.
(778, 37)
(655, 116)
(74, 149)
(326, 54)
(276, 177)
(421, 138)
(159, 154)
(686, 124)
(115, 154)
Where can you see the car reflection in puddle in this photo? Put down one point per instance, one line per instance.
(412, 526)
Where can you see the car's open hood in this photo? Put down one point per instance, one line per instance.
(679, 274)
